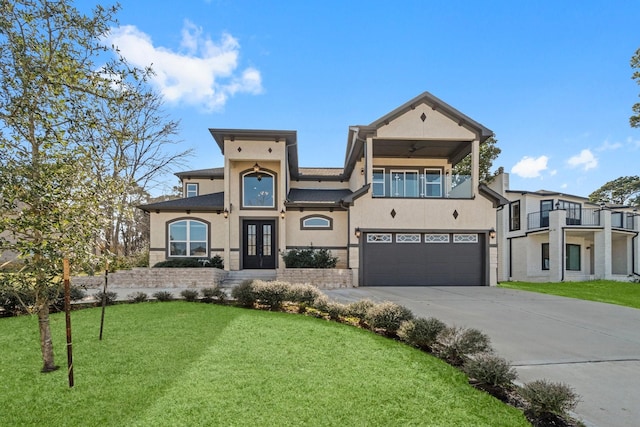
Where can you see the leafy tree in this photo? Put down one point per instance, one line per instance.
(489, 151)
(634, 120)
(621, 191)
(50, 86)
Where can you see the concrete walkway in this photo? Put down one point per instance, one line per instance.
(593, 347)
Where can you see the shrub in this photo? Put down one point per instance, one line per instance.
(137, 297)
(272, 294)
(243, 294)
(491, 373)
(455, 344)
(421, 333)
(110, 297)
(387, 316)
(190, 295)
(163, 296)
(215, 262)
(321, 303)
(209, 294)
(335, 310)
(546, 401)
(303, 293)
(309, 258)
(359, 308)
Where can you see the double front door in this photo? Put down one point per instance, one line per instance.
(259, 244)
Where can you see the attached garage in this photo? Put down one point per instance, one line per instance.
(423, 259)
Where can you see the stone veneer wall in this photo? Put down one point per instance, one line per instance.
(322, 278)
(155, 278)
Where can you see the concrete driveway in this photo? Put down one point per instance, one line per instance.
(593, 347)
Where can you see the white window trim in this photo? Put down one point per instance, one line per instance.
(186, 189)
(465, 238)
(383, 182)
(379, 238)
(404, 182)
(437, 238)
(426, 184)
(408, 238)
(188, 240)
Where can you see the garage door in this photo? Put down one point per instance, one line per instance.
(423, 259)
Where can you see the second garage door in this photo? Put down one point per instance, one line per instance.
(423, 259)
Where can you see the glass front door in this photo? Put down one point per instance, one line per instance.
(259, 244)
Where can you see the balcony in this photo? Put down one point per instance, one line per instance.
(623, 220)
(575, 217)
(431, 184)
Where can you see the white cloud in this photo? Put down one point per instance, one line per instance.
(530, 167)
(606, 145)
(204, 73)
(585, 160)
(635, 143)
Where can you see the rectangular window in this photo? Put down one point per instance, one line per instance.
(514, 215)
(432, 183)
(546, 206)
(436, 238)
(465, 238)
(545, 256)
(573, 257)
(407, 238)
(378, 183)
(190, 189)
(574, 212)
(378, 238)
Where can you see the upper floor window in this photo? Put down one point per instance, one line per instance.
(188, 238)
(429, 182)
(404, 183)
(258, 189)
(190, 189)
(433, 182)
(514, 215)
(378, 183)
(574, 211)
(316, 222)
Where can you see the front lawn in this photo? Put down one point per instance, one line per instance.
(179, 363)
(620, 293)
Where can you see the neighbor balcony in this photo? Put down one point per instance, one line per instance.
(575, 217)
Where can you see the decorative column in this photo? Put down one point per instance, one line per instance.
(602, 247)
(557, 221)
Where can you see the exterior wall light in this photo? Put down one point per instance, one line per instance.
(358, 232)
(492, 233)
(226, 213)
(256, 167)
(282, 213)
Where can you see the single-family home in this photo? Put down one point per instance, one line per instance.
(398, 212)
(548, 236)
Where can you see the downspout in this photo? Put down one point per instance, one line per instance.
(563, 260)
(633, 256)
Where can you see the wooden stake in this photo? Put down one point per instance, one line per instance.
(67, 311)
(104, 297)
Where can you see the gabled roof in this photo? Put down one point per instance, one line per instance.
(205, 203)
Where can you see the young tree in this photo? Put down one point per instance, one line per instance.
(621, 191)
(634, 120)
(49, 80)
(489, 151)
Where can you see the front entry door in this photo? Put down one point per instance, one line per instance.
(259, 244)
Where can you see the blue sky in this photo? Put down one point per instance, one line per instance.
(550, 78)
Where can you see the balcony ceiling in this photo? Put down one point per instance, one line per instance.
(452, 150)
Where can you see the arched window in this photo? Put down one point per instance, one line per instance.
(316, 222)
(258, 190)
(188, 238)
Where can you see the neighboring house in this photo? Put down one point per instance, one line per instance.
(395, 214)
(547, 236)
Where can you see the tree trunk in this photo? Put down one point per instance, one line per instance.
(46, 343)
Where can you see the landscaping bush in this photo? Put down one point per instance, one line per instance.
(190, 295)
(491, 373)
(210, 294)
(359, 308)
(421, 333)
(335, 310)
(214, 262)
(243, 294)
(309, 258)
(547, 402)
(18, 301)
(303, 293)
(110, 297)
(455, 344)
(388, 316)
(163, 296)
(137, 297)
(272, 294)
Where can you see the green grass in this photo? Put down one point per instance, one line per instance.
(620, 293)
(178, 363)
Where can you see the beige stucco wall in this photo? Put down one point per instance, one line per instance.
(205, 185)
(334, 239)
(436, 125)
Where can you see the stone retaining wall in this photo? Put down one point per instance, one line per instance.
(156, 278)
(322, 278)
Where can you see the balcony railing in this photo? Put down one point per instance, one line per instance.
(622, 220)
(581, 217)
(411, 184)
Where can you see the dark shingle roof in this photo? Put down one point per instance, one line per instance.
(207, 202)
(202, 173)
(304, 195)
